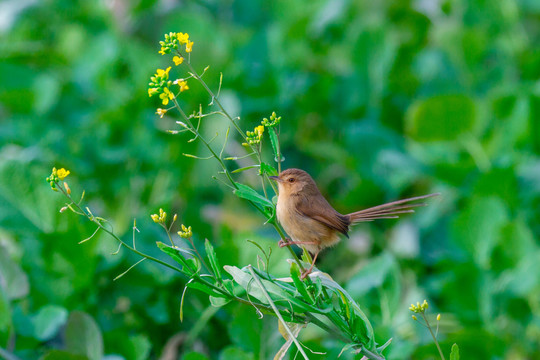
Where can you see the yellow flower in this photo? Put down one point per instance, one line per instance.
(178, 60)
(166, 95)
(152, 91)
(182, 38)
(163, 73)
(186, 232)
(255, 136)
(419, 308)
(161, 112)
(161, 218)
(62, 173)
(438, 317)
(162, 51)
(189, 46)
(183, 84)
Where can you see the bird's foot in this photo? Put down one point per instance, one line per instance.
(283, 243)
(305, 273)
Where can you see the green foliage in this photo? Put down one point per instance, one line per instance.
(83, 336)
(440, 118)
(454, 354)
(378, 101)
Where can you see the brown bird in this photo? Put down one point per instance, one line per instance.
(311, 221)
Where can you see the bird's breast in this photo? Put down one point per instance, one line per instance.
(303, 228)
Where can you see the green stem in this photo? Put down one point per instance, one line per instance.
(214, 154)
(369, 354)
(278, 314)
(197, 278)
(214, 98)
(223, 166)
(93, 219)
(433, 336)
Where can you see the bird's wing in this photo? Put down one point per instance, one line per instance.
(317, 208)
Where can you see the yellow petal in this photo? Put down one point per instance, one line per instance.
(178, 60)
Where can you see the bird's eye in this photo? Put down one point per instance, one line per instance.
(291, 180)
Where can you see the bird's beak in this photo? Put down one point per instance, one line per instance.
(275, 178)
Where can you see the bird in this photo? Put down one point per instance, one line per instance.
(309, 219)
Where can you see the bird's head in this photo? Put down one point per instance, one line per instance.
(295, 182)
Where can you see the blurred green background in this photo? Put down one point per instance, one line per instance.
(379, 99)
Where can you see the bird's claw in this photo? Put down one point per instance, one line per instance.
(305, 274)
(283, 243)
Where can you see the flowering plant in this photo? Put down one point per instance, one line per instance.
(296, 302)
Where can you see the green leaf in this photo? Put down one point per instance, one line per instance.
(139, 347)
(189, 266)
(219, 301)
(306, 257)
(48, 321)
(195, 264)
(204, 288)
(229, 285)
(278, 294)
(62, 355)
(182, 301)
(299, 284)
(441, 118)
(5, 318)
(372, 276)
(454, 354)
(212, 258)
(194, 356)
(268, 169)
(478, 227)
(360, 323)
(248, 193)
(235, 353)
(244, 169)
(344, 305)
(12, 276)
(275, 145)
(83, 337)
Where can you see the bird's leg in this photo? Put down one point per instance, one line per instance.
(288, 242)
(308, 271)
(283, 243)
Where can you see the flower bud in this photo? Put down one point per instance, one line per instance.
(66, 186)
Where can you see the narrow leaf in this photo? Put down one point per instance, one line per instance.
(206, 289)
(268, 169)
(131, 267)
(182, 301)
(219, 301)
(212, 258)
(275, 145)
(248, 193)
(178, 257)
(299, 284)
(454, 354)
(244, 169)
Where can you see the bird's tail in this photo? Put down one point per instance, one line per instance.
(391, 210)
